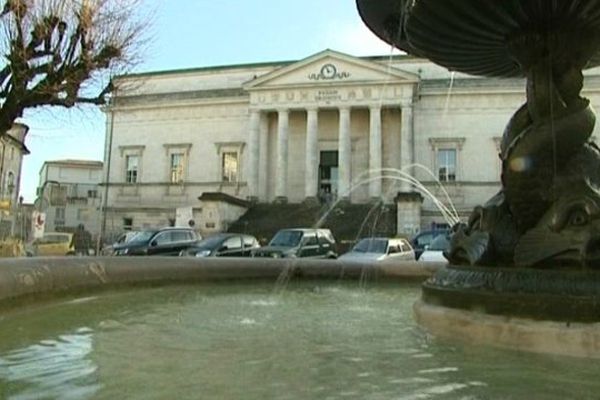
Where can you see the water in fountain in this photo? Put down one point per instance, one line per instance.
(239, 341)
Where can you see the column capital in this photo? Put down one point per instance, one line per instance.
(283, 111)
(407, 103)
(344, 107)
(375, 107)
(312, 108)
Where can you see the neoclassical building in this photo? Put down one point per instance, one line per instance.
(330, 125)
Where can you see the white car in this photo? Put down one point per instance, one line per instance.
(380, 249)
(435, 251)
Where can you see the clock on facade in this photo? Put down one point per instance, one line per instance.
(328, 71)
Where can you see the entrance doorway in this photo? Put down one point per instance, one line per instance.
(328, 175)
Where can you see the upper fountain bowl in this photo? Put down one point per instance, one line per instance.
(501, 38)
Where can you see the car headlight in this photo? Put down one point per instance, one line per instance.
(275, 255)
(203, 253)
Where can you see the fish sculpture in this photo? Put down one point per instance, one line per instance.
(548, 210)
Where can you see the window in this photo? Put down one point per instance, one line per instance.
(92, 194)
(446, 153)
(127, 224)
(177, 167)
(82, 214)
(132, 162)
(233, 243)
(9, 183)
(59, 217)
(131, 169)
(230, 154)
(394, 249)
(446, 165)
(405, 246)
(177, 159)
(249, 241)
(424, 239)
(229, 166)
(164, 238)
(310, 240)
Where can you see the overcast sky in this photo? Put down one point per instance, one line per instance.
(202, 33)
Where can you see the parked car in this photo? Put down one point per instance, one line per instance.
(223, 245)
(51, 244)
(435, 251)
(158, 242)
(300, 242)
(380, 249)
(421, 241)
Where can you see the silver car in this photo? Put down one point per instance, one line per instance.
(380, 249)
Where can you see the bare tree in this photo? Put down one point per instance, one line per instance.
(64, 52)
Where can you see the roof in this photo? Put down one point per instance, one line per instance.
(76, 163)
(17, 136)
(306, 229)
(252, 65)
(224, 197)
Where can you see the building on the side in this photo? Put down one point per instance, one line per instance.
(294, 131)
(12, 152)
(69, 194)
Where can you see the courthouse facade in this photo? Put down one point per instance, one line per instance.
(328, 126)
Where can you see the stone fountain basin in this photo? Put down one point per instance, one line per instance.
(26, 278)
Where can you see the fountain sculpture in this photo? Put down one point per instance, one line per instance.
(541, 232)
(547, 208)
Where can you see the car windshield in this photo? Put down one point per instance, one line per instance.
(371, 246)
(143, 236)
(286, 238)
(440, 243)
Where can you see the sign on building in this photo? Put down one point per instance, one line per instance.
(38, 220)
(184, 216)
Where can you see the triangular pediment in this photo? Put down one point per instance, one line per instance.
(330, 67)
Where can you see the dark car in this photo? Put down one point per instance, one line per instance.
(158, 242)
(223, 245)
(422, 240)
(300, 242)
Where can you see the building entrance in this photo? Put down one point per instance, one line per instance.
(328, 175)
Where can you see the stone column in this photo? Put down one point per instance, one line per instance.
(406, 144)
(311, 167)
(375, 158)
(253, 154)
(263, 165)
(344, 153)
(409, 213)
(282, 156)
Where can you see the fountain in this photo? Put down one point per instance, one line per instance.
(523, 269)
(215, 328)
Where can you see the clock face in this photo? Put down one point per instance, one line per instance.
(328, 71)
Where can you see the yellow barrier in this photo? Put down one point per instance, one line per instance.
(12, 248)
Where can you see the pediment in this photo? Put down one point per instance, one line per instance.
(330, 68)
